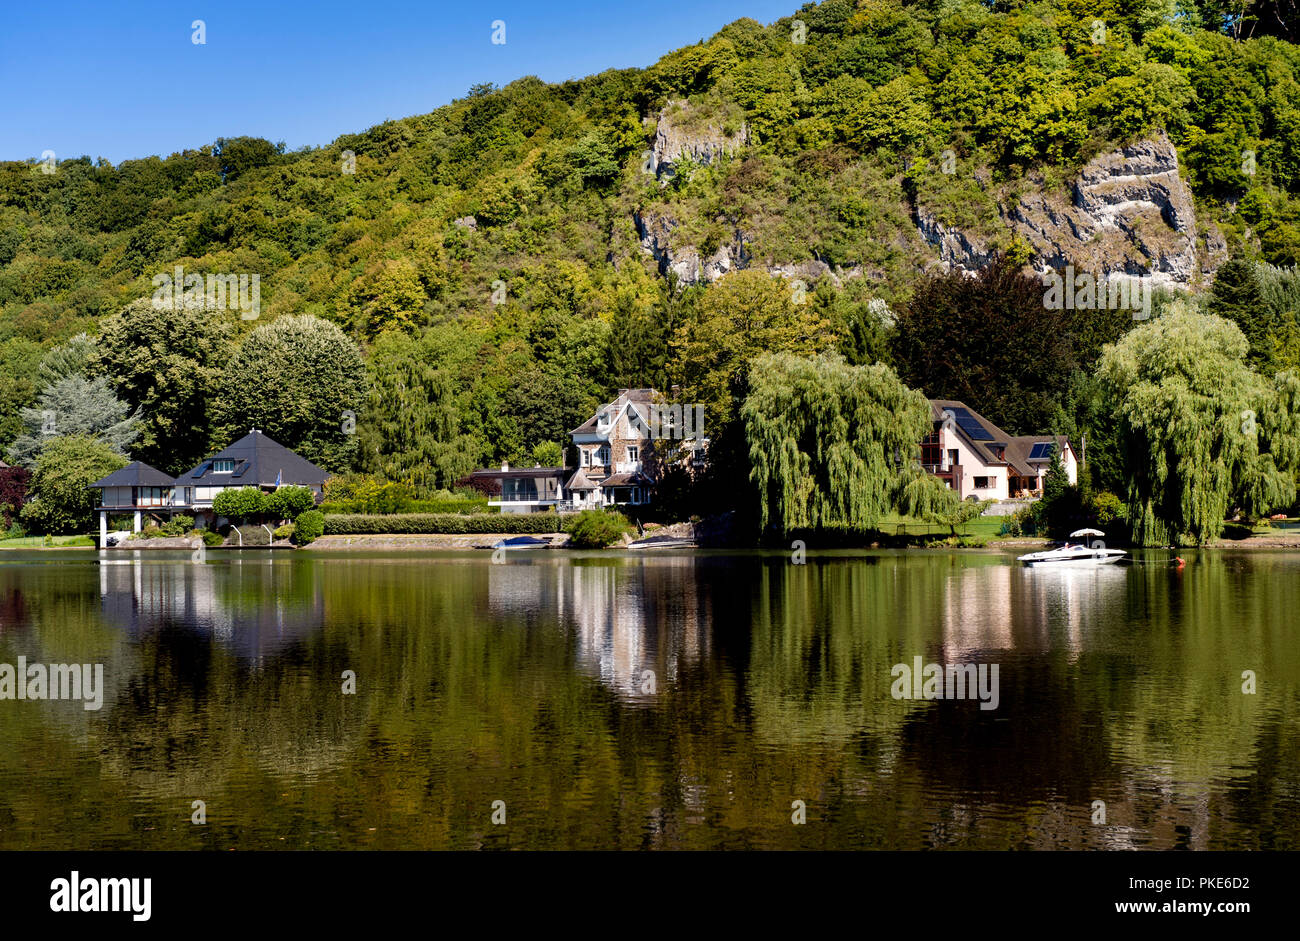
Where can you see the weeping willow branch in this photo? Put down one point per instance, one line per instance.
(830, 443)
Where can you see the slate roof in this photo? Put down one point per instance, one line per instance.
(580, 481)
(258, 460)
(135, 474)
(625, 480)
(1020, 447)
(635, 397)
(490, 474)
(1015, 448)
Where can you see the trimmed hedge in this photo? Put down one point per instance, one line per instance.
(443, 524)
(409, 507)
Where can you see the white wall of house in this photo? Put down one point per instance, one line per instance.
(978, 479)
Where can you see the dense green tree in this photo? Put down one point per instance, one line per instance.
(743, 316)
(548, 454)
(990, 341)
(73, 358)
(410, 429)
(830, 443)
(75, 406)
(1237, 296)
(19, 363)
(60, 501)
(301, 381)
(1201, 432)
(167, 364)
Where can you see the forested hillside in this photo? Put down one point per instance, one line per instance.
(504, 263)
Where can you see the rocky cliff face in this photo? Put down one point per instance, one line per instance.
(655, 231)
(683, 132)
(1128, 212)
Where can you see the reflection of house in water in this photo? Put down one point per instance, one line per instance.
(628, 616)
(254, 608)
(1004, 607)
(977, 611)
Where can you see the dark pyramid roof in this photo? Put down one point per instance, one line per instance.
(258, 459)
(135, 474)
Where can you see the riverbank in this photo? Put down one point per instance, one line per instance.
(422, 541)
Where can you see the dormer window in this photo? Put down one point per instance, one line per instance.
(223, 467)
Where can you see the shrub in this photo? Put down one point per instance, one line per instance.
(308, 527)
(152, 531)
(364, 493)
(178, 525)
(239, 503)
(1106, 508)
(284, 532)
(1023, 522)
(287, 502)
(212, 539)
(448, 523)
(596, 529)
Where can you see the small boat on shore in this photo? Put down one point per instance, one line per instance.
(663, 542)
(1072, 554)
(522, 542)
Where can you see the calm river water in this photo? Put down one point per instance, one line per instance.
(659, 701)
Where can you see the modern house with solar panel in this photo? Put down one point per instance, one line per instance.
(255, 460)
(979, 460)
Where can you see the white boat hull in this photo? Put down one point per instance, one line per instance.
(1072, 556)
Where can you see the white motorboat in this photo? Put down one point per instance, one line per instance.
(1076, 554)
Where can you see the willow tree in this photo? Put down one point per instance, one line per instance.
(1201, 433)
(830, 444)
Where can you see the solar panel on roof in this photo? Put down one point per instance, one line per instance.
(967, 423)
(1041, 451)
(203, 469)
(239, 471)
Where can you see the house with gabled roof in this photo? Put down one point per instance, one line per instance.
(614, 446)
(614, 458)
(255, 460)
(978, 459)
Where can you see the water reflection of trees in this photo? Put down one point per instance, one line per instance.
(521, 682)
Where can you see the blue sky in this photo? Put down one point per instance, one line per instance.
(123, 79)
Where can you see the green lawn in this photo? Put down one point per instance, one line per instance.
(986, 526)
(37, 542)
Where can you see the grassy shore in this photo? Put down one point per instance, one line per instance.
(54, 542)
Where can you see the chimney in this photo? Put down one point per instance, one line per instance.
(505, 466)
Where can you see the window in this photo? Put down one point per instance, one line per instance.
(632, 453)
(223, 467)
(983, 483)
(602, 456)
(586, 457)
(930, 450)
